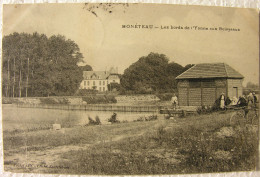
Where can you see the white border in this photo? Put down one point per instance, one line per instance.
(225, 3)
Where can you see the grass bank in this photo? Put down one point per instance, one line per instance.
(199, 144)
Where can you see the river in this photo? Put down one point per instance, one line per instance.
(24, 118)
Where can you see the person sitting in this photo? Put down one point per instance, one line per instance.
(242, 101)
(228, 101)
(234, 101)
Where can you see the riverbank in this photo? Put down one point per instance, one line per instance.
(105, 98)
(196, 144)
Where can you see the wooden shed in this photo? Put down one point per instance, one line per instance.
(203, 83)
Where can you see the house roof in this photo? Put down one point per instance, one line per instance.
(94, 75)
(210, 70)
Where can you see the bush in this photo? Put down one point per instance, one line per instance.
(165, 96)
(84, 92)
(99, 99)
(94, 122)
(205, 109)
(144, 118)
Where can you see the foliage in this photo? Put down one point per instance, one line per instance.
(84, 92)
(114, 87)
(165, 96)
(35, 65)
(86, 68)
(146, 118)
(94, 122)
(98, 99)
(251, 85)
(151, 73)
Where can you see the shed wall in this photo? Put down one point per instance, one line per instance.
(201, 92)
(234, 87)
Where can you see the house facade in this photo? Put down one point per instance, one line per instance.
(99, 80)
(203, 83)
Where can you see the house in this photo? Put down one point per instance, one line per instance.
(203, 83)
(99, 80)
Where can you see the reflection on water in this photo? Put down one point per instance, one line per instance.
(20, 118)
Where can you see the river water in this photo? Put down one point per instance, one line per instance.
(24, 118)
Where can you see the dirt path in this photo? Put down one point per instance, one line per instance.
(32, 160)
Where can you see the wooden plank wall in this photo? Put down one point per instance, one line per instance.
(234, 83)
(195, 97)
(206, 94)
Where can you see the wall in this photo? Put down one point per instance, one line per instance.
(100, 84)
(200, 92)
(234, 87)
(134, 98)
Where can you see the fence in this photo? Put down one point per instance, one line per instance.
(94, 107)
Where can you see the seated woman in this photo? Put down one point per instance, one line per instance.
(242, 102)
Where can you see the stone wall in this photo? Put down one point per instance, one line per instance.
(134, 98)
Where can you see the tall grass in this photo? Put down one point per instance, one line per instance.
(194, 147)
(199, 144)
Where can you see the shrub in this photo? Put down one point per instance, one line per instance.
(113, 119)
(165, 96)
(94, 122)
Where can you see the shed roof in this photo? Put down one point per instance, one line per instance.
(210, 70)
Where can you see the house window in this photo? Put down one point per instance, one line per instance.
(99, 82)
(84, 83)
(93, 82)
(104, 89)
(88, 82)
(104, 82)
(99, 88)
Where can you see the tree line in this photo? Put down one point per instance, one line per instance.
(37, 65)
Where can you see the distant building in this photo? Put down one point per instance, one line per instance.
(203, 83)
(99, 80)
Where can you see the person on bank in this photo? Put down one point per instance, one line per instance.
(174, 101)
(222, 101)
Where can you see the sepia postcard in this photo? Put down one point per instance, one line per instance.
(129, 89)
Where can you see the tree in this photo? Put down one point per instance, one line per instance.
(86, 68)
(188, 66)
(251, 85)
(36, 65)
(151, 73)
(114, 86)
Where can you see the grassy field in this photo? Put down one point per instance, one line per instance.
(195, 144)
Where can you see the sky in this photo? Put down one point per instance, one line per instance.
(104, 43)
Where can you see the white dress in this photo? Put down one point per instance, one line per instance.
(222, 102)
